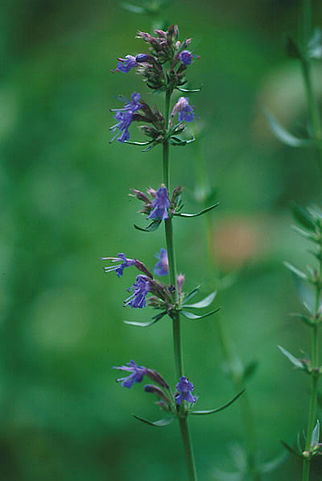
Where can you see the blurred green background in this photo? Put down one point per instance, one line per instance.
(65, 204)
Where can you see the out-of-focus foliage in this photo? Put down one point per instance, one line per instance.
(64, 205)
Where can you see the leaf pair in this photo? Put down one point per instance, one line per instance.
(169, 419)
(154, 320)
(198, 305)
(197, 214)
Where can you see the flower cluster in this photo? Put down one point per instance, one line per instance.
(162, 297)
(157, 204)
(163, 47)
(167, 401)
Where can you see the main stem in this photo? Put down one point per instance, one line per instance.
(184, 427)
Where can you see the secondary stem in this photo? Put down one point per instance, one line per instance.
(314, 383)
(236, 369)
(314, 114)
(183, 422)
(230, 356)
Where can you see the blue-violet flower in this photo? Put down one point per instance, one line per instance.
(160, 204)
(137, 374)
(185, 57)
(184, 388)
(124, 117)
(140, 290)
(119, 268)
(126, 64)
(184, 110)
(161, 268)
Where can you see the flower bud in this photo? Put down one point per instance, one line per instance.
(156, 390)
(156, 377)
(142, 57)
(180, 281)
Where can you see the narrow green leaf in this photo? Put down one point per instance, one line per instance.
(295, 270)
(203, 211)
(303, 217)
(291, 450)
(221, 408)
(132, 142)
(146, 324)
(270, 466)
(133, 8)
(190, 315)
(303, 318)
(296, 362)
(151, 227)
(314, 48)
(304, 233)
(159, 424)
(191, 294)
(179, 142)
(306, 293)
(298, 442)
(150, 147)
(189, 91)
(284, 136)
(204, 302)
(315, 434)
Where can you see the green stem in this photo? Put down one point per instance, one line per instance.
(230, 356)
(306, 27)
(185, 434)
(177, 344)
(314, 382)
(236, 369)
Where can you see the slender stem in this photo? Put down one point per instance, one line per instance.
(185, 434)
(177, 344)
(314, 381)
(305, 21)
(235, 370)
(231, 358)
(305, 29)
(317, 133)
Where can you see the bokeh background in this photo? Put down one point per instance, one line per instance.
(65, 204)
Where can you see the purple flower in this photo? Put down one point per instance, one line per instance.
(137, 374)
(122, 126)
(140, 290)
(124, 117)
(125, 64)
(119, 268)
(161, 268)
(185, 57)
(184, 388)
(184, 109)
(160, 204)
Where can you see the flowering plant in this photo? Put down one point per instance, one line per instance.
(164, 70)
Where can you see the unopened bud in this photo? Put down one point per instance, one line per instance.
(180, 281)
(156, 390)
(156, 377)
